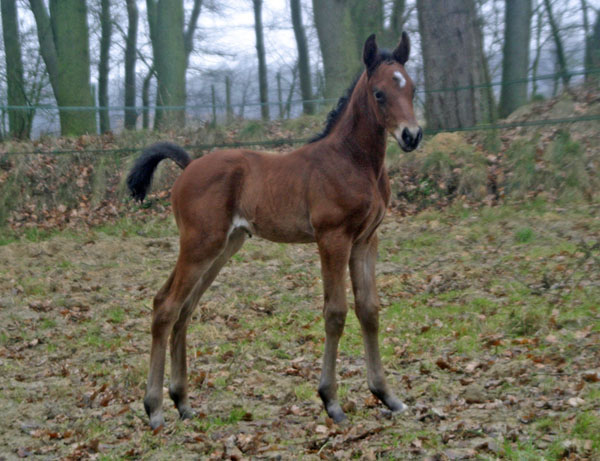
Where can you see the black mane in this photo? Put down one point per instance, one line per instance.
(334, 115)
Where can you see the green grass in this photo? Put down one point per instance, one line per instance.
(524, 235)
(463, 285)
(116, 315)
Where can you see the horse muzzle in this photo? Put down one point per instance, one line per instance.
(408, 138)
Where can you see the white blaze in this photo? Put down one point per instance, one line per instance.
(400, 79)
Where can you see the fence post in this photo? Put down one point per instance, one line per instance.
(228, 99)
(214, 106)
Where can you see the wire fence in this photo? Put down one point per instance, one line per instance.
(193, 107)
(293, 141)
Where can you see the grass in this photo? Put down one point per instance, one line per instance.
(462, 285)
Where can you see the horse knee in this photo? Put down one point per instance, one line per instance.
(335, 319)
(163, 317)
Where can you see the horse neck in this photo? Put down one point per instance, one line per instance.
(359, 132)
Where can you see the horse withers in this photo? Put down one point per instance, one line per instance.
(333, 191)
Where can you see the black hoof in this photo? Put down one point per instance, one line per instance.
(157, 421)
(186, 413)
(390, 400)
(336, 413)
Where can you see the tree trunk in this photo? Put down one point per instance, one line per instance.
(171, 45)
(262, 63)
(453, 59)
(19, 121)
(367, 19)
(560, 54)
(165, 18)
(189, 33)
(308, 106)
(70, 29)
(130, 58)
(103, 67)
(396, 22)
(593, 53)
(288, 103)
(515, 56)
(146, 98)
(538, 52)
(338, 44)
(46, 40)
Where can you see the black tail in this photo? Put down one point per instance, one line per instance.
(140, 176)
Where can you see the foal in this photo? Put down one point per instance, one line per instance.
(333, 191)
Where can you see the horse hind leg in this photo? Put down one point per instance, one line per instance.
(168, 306)
(178, 388)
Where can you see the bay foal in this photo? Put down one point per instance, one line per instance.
(333, 191)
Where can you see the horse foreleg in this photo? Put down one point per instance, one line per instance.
(362, 273)
(334, 250)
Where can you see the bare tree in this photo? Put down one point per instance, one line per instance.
(337, 42)
(308, 106)
(130, 59)
(103, 64)
(19, 121)
(560, 54)
(262, 63)
(455, 68)
(593, 53)
(515, 56)
(64, 45)
(172, 46)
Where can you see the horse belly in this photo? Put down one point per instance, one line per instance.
(284, 228)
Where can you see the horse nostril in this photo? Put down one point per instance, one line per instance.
(419, 136)
(407, 136)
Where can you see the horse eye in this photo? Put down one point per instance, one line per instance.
(379, 96)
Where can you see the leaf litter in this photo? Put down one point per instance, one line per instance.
(491, 360)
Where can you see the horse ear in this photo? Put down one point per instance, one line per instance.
(402, 51)
(370, 53)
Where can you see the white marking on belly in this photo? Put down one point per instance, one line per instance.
(237, 223)
(400, 79)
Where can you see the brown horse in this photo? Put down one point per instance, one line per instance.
(333, 191)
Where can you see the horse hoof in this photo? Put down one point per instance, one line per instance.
(157, 421)
(397, 406)
(186, 413)
(336, 413)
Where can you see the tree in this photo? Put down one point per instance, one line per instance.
(452, 47)
(515, 55)
(367, 18)
(19, 121)
(335, 29)
(308, 106)
(593, 53)
(130, 59)
(171, 45)
(103, 67)
(64, 45)
(262, 63)
(560, 54)
(397, 19)
(46, 40)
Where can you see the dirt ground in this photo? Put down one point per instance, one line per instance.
(490, 333)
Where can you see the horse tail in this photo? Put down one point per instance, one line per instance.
(140, 176)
